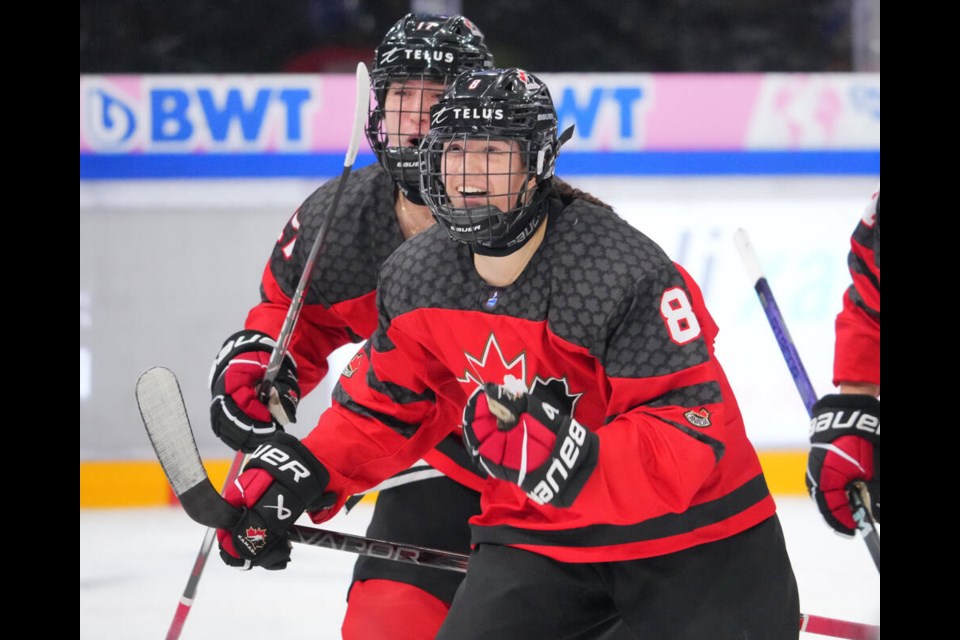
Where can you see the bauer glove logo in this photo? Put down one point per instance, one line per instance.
(547, 489)
(281, 460)
(846, 420)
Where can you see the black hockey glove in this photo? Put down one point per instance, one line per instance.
(282, 479)
(530, 441)
(845, 448)
(237, 415)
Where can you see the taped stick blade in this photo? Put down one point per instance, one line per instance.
(165, 417)
(748, 255)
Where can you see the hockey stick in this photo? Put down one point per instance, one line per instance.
(859, 498)
(266, 392)
(838, 628)
(168, 426)
(190, 591)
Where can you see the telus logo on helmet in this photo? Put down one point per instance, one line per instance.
(440, 115)
(477, 113)
(426, 55)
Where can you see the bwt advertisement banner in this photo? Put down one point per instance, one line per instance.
(626, 124)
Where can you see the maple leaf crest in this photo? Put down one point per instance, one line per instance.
(353, 366)
(492, 366)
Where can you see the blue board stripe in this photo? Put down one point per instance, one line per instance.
(635, 163)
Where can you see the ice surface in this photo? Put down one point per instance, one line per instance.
(134, 565)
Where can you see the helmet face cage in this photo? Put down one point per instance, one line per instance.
(477, 185)
(488, 157)
(418, 59)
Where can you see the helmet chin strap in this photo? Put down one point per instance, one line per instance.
(527, 223)
(411, 193)
(536, 212)
(393, 160)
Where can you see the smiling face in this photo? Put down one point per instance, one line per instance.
(484, 171)
(406, 107)
(486, 164)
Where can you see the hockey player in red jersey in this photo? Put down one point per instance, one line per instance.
(845, 428)
(578, 360)
(381, 207)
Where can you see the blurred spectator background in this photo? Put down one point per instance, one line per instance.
(307, 36)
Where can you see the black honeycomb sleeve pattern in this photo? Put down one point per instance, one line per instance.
(643, 342)
(363, 232)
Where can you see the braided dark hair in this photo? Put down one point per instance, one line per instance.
(569, 193)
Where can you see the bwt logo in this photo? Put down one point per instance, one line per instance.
(188, 115)
(618, 110)
(109, 120)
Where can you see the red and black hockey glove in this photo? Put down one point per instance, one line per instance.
(531, 441)
(237, 415)
(282, 479)
(845, 448)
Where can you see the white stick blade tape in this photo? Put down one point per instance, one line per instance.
(165, 418)
(361, 107)
(748, 255)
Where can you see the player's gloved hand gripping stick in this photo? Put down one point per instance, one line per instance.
(860, 500)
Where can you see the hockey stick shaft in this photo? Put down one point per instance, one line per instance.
(190, 591)
(838, 628)
(859, 499)
(296, 302)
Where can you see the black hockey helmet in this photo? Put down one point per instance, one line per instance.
(499, 104)
(418, 47)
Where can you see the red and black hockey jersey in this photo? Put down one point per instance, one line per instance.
(605, 318)
(857, 348)
(339, 307)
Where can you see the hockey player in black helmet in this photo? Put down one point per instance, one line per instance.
(430, 502)
(578, 358)
(514, 113)
(418, 58)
